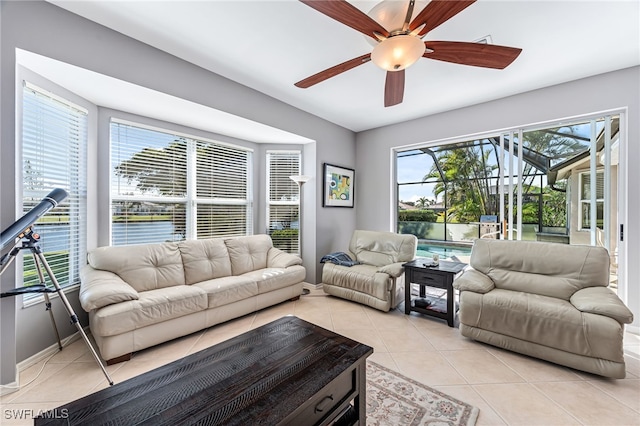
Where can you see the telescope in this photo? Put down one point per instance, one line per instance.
(9, 235)
(22, 230)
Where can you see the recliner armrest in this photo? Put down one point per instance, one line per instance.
(475, 281)
(393, 270)
(601, 301)
(100, 288)
(277, 258)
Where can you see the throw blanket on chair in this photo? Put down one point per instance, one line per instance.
(339, 258)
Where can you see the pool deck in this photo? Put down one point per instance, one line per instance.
(461, 244)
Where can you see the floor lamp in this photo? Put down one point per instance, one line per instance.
(300, 180)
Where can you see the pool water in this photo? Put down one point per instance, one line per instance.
(428, 250)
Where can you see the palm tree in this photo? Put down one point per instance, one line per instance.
(466, 182)
(422, 202)
(467, 172)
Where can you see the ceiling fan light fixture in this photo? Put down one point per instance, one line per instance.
(398, 52)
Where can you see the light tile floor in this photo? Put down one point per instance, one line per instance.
(507, 388)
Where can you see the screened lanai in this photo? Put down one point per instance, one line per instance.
(530, 184)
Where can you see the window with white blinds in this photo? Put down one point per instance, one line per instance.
(585, 200)
(283, 200)
(169, 187)
(54, 155)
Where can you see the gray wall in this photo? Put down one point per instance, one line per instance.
(50, 31)
(47, 30)
(620, 89)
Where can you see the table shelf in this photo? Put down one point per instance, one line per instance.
(432, 277)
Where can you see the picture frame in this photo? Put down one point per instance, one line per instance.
(338, 186)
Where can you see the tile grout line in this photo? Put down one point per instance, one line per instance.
(541, 392)
(593, 383)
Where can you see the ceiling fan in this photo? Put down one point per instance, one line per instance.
(400, 44)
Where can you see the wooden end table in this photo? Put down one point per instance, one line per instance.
(440, 276)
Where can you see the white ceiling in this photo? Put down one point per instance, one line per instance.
(269, 45)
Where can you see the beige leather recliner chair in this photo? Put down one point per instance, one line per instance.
(379, 280)
(546, 300)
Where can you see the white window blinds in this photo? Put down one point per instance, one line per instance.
(283, 195)
(585, 200)
(54, 143)
(168, 187)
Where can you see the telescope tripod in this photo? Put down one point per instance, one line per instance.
(30, 241)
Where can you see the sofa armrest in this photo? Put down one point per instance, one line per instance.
(277, 258)
(394, 270)
(101, 288)
(601, 301)
(475, 281)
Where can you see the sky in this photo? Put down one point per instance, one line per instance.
(412, 168)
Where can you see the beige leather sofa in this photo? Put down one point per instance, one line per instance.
(140, 296)
(546, 300)
(379, 280)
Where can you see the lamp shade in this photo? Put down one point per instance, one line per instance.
(398, 52)
(391, 14)
(300, 179)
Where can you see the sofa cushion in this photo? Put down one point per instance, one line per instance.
(225, 290)
(144, 267)
(270, 279)
(548, 321)
(382, 248)
(548, 269)
(204, 259)
(153, 306)
(248, 253)
(362, 278)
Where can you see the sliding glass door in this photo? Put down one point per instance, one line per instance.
(554, 183)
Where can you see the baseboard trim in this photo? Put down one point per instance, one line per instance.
(310, 286)
(36, 358)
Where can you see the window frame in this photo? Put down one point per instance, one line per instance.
(587, 201)
(77, 203)
(191, 200)
(293, 202)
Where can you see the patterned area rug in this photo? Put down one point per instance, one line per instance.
(394, 400)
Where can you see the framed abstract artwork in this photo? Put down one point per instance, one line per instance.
(338, 186)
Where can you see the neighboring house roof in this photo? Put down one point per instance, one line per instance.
(404, 206)
(563, 169)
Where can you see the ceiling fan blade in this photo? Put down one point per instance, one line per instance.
(438, 12)
(333, 71)
(394, 88)
(475, 54)
(349, 15)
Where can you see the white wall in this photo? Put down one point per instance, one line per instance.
(620, 89)
(50, 31)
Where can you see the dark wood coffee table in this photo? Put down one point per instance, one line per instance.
(441, 276)
(286, 372)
